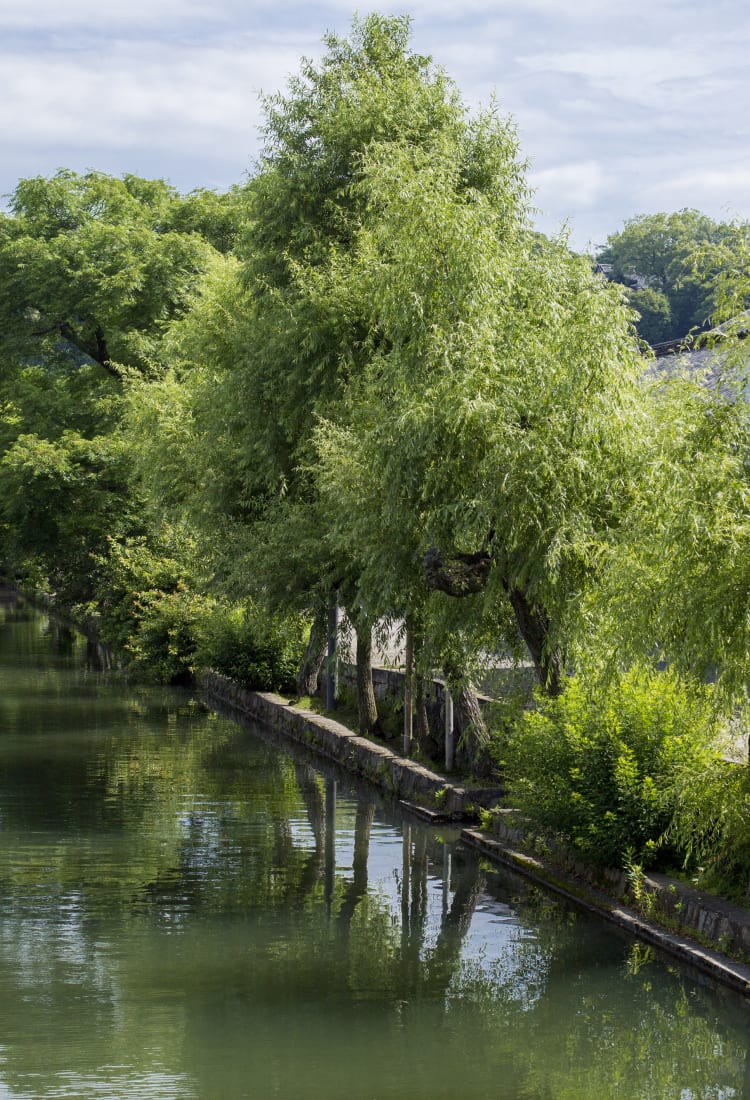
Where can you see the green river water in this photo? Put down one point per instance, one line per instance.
(188, 910)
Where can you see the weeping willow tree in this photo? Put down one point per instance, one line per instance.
(495, 434)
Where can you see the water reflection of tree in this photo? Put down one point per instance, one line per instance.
(178, 902)
(355, 890)
(594, 1028)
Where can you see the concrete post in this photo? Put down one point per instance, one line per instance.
(450, 745)
(408, 692)
(332, 664)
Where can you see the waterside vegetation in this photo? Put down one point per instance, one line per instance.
(363, 378)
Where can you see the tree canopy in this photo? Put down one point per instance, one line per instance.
(92, 272)
(486, 409)
(363, 371)
(93, 267)
(672, 265)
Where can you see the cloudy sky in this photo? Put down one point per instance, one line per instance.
(622, 107)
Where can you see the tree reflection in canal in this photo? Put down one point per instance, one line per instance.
(187, 911)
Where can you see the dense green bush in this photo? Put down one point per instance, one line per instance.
(153, 612)
(710, 828)
(261, 650)
(148, 608)
(601, 767)
(164, 634)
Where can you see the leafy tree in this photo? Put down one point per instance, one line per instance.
(60, 501)
(308, 328)
(487, 409)
(91, 267)
(655, 314)
(299, 329)
(671, 263)
(677, 584)
(92, 271)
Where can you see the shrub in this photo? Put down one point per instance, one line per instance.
(164, 634)
(601, 766)
(261, 650)
(149, 609)
(710, 828)
(152, 611)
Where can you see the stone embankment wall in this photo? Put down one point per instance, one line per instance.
(697, 928)
(396, 774)
(680, 906)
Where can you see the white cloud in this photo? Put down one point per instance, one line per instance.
(95, 14)
(633, 74)
(716, 189)
(147, 94)
(577, 185)
(621, 109)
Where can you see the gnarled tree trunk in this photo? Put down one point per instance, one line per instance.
(534, 625)
(315, 655)
(465, 574)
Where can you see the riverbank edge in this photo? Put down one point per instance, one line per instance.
(681, 909)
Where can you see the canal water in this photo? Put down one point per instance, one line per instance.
(188, 910)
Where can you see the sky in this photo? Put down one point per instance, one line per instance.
(622, 108)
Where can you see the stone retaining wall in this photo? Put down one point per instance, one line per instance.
(683, 910)
(396, 774)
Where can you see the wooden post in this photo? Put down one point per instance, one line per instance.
(408, 692)
(332, 665)
(450, 746)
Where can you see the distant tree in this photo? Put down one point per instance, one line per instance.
(654, 314)
(670, 264)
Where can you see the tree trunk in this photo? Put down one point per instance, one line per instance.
(534, 625)
(474, 733)
(315, 655)
(465, 574)
(367, 708)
